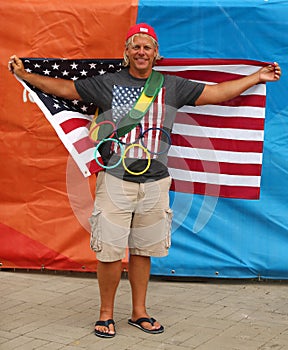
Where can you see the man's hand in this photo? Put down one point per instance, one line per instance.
(15, 65)
(272, 72)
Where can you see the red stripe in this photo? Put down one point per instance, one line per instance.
(93, 166)
(208, 62)
(83, 144)
(240, 192)
(206, 76)
(217, 143)
(246, 101)
(74, 123)
(214, 167)
(219, 121)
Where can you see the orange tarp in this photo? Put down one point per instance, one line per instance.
(45, 201)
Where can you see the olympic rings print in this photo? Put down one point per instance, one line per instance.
(156, 132)
(96, 150)
(148, 159)
(160, 130)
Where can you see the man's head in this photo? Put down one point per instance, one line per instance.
(141, 49)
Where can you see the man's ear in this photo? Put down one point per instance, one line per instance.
(156, 52)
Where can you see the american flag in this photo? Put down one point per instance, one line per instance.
(216, 149)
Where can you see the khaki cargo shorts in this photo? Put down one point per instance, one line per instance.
(129, 214)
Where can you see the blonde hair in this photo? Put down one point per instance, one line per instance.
(130, 41)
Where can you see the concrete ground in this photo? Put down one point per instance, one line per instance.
(51, 311)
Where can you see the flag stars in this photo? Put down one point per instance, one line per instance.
(102, 71)
(74, 65)
(74, 78)
(46, 72)
(84, 109)
(36, 65)
(75, 102)
(83, 72)
(65, 73)
(56, 105)
(92, 65)
(55, 66)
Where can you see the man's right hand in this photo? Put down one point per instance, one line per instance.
(15, 65)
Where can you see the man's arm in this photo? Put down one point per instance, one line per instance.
(213, 94)
(58, 87)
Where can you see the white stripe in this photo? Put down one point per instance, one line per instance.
(259, 90)
(221, 133)
(128, 138)
(87, 155)
(63, 116)
(148, 137)
(77, 134)
(215, 179)
(215, 156)
(225, 111)
(158, 122)
(242, 69)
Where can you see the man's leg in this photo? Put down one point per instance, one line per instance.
(109, 275)
(139, 274)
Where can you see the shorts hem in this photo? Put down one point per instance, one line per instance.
(143, 252)
(109, 258)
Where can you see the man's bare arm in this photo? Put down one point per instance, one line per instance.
(213, 94)
(58, 87)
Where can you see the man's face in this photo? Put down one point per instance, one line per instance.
(141, 53)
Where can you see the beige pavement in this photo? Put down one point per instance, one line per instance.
(51, 311)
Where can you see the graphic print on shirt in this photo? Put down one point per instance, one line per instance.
(124, 98)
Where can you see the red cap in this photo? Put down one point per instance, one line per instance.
(141, 28)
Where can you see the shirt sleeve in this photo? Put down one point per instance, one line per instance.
(91, 89)
(187, 91)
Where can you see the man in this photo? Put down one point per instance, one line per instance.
(132, 199)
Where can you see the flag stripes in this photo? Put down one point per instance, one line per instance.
(216, 149)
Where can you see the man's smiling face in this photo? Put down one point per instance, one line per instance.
(141, 53)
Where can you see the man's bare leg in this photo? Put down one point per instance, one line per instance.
(109, 275)
(139, 274)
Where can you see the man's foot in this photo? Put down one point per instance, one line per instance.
(148, 325)
(105, 329)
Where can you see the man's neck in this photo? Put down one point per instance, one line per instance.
(139, 74)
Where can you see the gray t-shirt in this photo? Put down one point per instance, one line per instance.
(115, 94)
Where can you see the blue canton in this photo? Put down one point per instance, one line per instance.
(123, 100)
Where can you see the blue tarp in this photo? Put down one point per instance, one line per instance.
(217, 237)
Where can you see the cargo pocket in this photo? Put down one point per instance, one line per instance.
(96, 231)
(169, 216)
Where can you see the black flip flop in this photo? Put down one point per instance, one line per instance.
(138, 324)
(105, 324)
